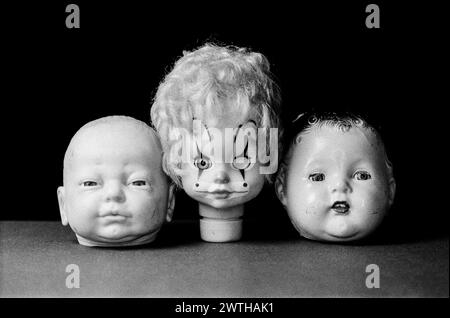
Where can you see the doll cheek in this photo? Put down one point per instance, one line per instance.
(81, 219)
(253, 178)
(152, 216)
(315, 200)
(306, 205)
(370, 202)
(188, 171)
(315, 210)
(80, 209)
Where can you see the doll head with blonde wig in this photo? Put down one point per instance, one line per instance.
(216, 113)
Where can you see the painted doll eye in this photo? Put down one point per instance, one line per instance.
(139, 183)
(362, 175)
(241, 163)
(89, 184)
(202, 163)
(316, 177)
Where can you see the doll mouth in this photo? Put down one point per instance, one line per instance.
(221, 189)
(221, 194)
(340, 207)
(114, 219)
(113, 216)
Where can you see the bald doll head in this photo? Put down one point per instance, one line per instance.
(115, 192)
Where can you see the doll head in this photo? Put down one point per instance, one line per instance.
(335, 180)
(213, 89)
(212, 97)
(115, 192)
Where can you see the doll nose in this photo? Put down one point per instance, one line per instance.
(222, 177)
(114, 192)
(341, 185)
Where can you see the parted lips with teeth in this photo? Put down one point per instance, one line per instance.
(340, 206)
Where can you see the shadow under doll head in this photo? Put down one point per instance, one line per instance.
(335, 180)
(115, 192)
(212, 97)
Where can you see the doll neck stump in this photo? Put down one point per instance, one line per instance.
(221, 225)
(145, 239)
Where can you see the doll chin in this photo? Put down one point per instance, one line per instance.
(220, 204)
(115, 233)
(341, 229)
(225, 203)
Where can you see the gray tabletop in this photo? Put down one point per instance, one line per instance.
(34, 257)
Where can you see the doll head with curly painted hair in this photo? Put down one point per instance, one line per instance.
(335, 180)
(222, 102)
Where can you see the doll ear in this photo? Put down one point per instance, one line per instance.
(61, 192)
(171, 202)
(280, 185)
(392, 189)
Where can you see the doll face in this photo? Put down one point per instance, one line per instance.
(211, 179)
(337, 186)
(114, 189)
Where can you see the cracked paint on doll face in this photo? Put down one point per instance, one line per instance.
(224, 178)
(337, 186)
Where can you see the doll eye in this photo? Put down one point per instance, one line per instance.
(89, 184)
(139, 183)
(241, 163)
(316, 177)
(362, 175)
(202, 163)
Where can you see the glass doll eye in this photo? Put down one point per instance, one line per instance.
(202, 163)
(139, 183)
(316, 177)
(362, 175)
(89, 184)
(241, 163)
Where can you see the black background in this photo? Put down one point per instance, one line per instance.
(322, 55)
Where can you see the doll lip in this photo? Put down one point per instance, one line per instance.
(340, 207)
(114, 218)
(221, 190)
(113, 215)
(220, 194)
